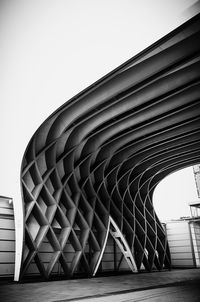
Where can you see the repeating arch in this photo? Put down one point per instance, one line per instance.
(93, 165)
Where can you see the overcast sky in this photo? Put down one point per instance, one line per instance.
(52, 49)
(174, 193)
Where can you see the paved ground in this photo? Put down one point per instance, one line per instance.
(181, 293)
(175, 285)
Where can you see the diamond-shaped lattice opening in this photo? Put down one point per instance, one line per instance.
(33, 267)
(28, 180)
(69, 252)
(86, 210)
(28, 197)
(49, 186)
(93, 242)
(64, 266)
(45, 252)
(33, 226)
(35, 174)
(99, 230)
(25, 252)
(37, 225)
(40, 265)
(149, 217)
(83, 266)
(68, 190)
(54, 261)
(41, 235)
(30, 256)
(41, 163)
(42, 205)
(128, 222)
(29, 201)
(39, 215)
(32, 181)
(52, 238)
(151, 233)
(88, 188)
(141, 234)
(66, 200)
(54, 185)
(140, 218)
(61, 227)
(73, 251)
(53, 265)
(72, 182)
(46, 203)
(50, 251)
(82, 228)
(45, 246)
(55, 179)
(60, 168)
(74, 240)
(57, 194)
(74, 267)
(68, 207)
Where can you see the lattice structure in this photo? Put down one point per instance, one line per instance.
(92, 166)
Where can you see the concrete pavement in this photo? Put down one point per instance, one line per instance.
(180, 293)
(100, 288)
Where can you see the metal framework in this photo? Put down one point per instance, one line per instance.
(92, 166)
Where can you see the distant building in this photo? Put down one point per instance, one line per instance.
(184, 242)
(196, 170)
(184, 238)
(195, 209)
(7, 237)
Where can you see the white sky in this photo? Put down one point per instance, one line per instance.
(174, 193)
(52, 49)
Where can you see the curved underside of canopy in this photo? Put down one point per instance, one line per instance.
(99, 157)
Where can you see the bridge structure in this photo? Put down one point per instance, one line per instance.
(91, 168)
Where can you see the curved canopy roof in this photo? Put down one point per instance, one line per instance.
(101, 155)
